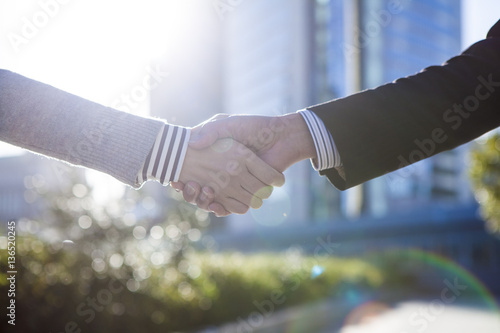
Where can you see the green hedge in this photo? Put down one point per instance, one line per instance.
(485, 177)
(58, 291)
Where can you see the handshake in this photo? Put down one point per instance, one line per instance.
(226, 164)
(232, 163)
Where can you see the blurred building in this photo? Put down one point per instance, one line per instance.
(21, 173)
(274, 57)
(12, 201)
(192, 91)
(363, 44)
(283, 55)
(301, 53)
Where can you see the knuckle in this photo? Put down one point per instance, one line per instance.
(202, 204)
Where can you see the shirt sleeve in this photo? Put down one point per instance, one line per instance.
(166, 157)
(327, 154)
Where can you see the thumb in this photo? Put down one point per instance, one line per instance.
(205, 134)
(218, 116)
(201, 139)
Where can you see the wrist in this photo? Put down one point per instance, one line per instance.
(297, 138)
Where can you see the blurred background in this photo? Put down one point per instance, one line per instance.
(417, 250)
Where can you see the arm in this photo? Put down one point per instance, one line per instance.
(238, 179)
(52, 122)
(132, 149)
(280, 141)
(378, 131)
(387, 128)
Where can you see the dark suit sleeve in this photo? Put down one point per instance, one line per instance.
(380, 130)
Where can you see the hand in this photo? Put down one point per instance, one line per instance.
(238, 179)
(279, 141)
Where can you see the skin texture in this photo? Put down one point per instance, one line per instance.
(279, 141)
(237, 178)
(380, 130)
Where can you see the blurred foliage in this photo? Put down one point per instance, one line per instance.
(58, 286)
(485, 177)
(118, 266)
(401, 272)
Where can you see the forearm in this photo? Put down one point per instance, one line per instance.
(381, 130)
(49, 121)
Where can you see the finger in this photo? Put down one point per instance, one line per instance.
(205, 134)
(206, 197)
(265, 173)
(178, 186)
(234, 206)
(256, 202)
(213, 118)
(264, 192)
(253, 193)
(219, 116)
(258, 189)
(249, 181)
(218, 209)
(245, 198)
(203, 138)
(191, 191)
(239, 193)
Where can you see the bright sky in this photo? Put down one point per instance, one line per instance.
(478, 17)
(100, 49)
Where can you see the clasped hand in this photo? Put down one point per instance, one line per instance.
(233, 162)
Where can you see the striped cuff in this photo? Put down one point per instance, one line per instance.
(327, 154)
(164, 161)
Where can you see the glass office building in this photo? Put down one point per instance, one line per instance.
(283, 55)
(363, 44)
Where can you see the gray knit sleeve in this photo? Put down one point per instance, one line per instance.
(52, 122)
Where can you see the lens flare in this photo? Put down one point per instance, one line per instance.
(316, 271)
(439, 273)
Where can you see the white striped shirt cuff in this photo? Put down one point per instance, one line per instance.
(164, 161)
(327, 154)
